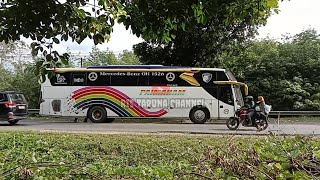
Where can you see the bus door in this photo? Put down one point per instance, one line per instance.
(212, 104)
(226, 102)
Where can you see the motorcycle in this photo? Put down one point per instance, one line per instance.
(259, 120)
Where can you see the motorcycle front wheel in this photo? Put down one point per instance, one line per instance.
(233, 123)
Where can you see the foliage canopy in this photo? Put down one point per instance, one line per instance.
(49, 22)
(286, 72)
(176, 34)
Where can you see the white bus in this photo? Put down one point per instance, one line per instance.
(102, 93)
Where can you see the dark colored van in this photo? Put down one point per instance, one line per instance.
(13, 106)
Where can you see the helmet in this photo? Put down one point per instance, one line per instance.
(249, 99)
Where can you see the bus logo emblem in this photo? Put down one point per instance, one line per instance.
(93, 76)
(170, 76)
(206, 77)
(60, 79)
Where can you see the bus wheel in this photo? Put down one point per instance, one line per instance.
(110, 120)
(97, 114)
(199, 115)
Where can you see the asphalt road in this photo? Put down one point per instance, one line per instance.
(310, 128)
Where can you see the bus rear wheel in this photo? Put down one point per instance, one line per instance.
(199, 115)
(97, 114)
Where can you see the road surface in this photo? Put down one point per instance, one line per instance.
(310, 128)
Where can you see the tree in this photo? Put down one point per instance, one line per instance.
(5, 50)
(27, 83)
(100, 58)
(199, 33)
(287, 73)
(8, 61)
(17, 71)
(128, 57)
(51, 21)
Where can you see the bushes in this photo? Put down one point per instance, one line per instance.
(82, 156)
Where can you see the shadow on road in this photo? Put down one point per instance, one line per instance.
(243, 130)
(4, 124)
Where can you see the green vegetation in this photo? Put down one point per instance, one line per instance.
(193, 33)
(81, 156)
(286, 72)
(107, 57)
(49, 22)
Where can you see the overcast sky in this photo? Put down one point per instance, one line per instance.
(294, 17)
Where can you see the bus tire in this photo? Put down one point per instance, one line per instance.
(97, 114)
(110, 120)
(199, 115)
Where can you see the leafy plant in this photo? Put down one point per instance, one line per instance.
(82, 156)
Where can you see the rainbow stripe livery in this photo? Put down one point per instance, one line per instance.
(112, 99)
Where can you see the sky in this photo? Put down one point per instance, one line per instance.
(294, 17)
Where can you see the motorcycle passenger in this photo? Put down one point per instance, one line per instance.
(249, 103)
(261, 106)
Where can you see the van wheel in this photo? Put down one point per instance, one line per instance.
(110, 120)
(97, 114)
(13, 122)
(199, 115)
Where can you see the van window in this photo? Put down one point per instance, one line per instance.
(17, 98)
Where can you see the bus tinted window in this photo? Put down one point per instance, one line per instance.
(98, 79)
(157, 80)
(167, 78)
(143, 81)
(79, 79)
(206, 78)
(221, 76)
(124, 80)
(61, 79)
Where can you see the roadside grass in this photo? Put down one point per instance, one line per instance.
(30, 155)
(296, 119)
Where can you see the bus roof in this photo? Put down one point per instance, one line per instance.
(134, 69)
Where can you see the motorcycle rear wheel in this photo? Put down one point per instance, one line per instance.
(233, 123)
(263, 124)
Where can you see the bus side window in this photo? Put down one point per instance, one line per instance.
(79, 79)
(221, 76)
(157, 80)
(61, 79)
(95, 79)
(124, 80)
(225, 94)
(143, 81)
